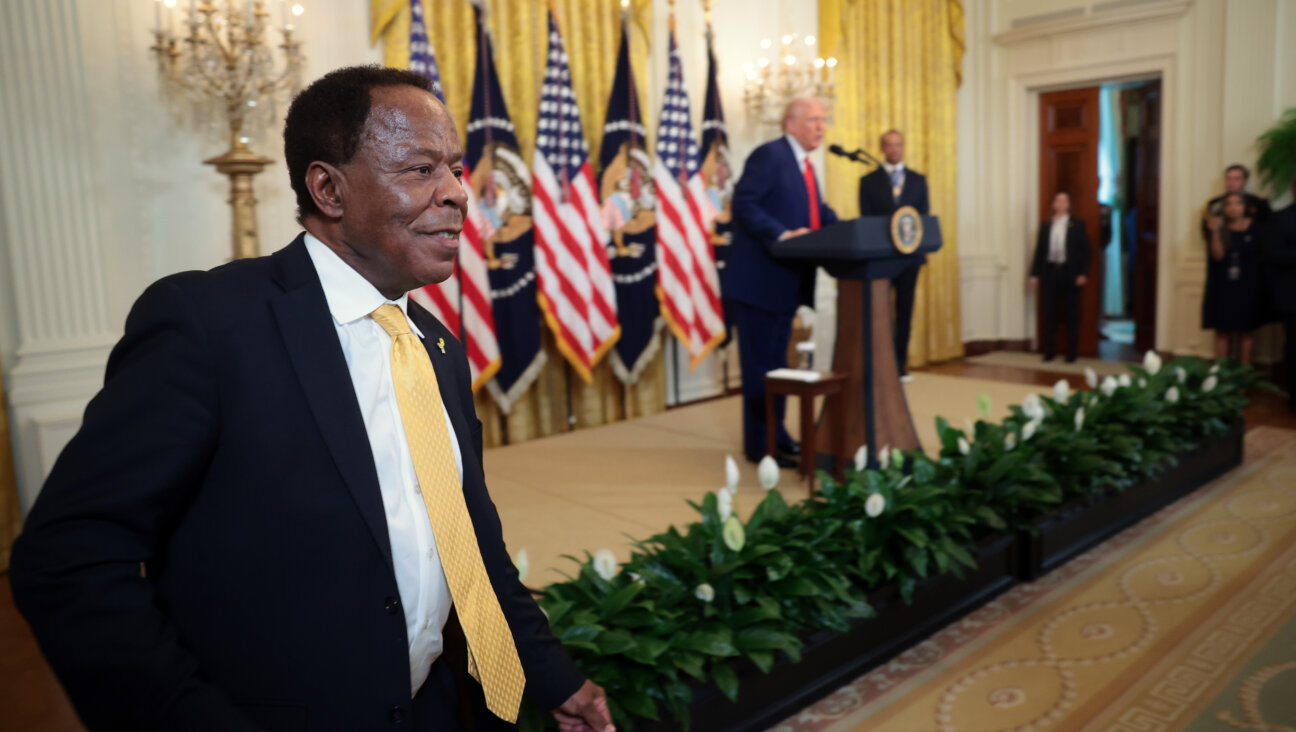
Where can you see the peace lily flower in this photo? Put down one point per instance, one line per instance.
(734, 535)
(874, 505)
(1108, 387)
(1091, 377)
(731, 474)
(1028, 430)
(1209, 383)
(884, 457)
(1079, 419)
(861, 457)
(1032, 407)
(605, 564)
(963, 446)
(635, 578)
(983, 405)
(1172, 394)
(1142, 383)
(704, 592)
(1061, 391)
(724, 504)
(523, 564)
(1215, 369)
(1010, 441)
(767, 472)
(1152, 362)
(1181, 374)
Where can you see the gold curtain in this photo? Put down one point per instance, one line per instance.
(10, 514)
(899, 66)
(591, 30)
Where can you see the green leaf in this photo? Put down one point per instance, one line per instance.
(646, 650)
(916, 536)
(612, 642)
(725, 679)
(710, 643)
(616, 602)
(693, 664)
(764, 660)
(636, 702)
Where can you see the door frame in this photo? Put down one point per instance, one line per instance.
(1024, 101)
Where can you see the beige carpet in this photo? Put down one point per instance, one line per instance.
(596, 488)
(1033, 361)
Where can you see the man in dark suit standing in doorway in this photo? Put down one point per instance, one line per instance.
(1060, 269)
(274, 515)
(881, 192)
(777, 197)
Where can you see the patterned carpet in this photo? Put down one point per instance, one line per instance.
(1183, 622)
(1017, 359)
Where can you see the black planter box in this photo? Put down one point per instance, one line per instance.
(1084, 523)
(830, 660)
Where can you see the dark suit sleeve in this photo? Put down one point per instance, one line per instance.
(748, 198)
(552, 677)
(923, 205)
(114, 496)
(1280, 246)
(826, 214)
(1041, 244)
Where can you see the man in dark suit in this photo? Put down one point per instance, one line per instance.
(256, 527)
(1236, 177)
(1060, 269)
(889, 187)
(1280, 268)
(777, 197)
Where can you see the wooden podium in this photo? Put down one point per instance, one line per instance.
(861, 255)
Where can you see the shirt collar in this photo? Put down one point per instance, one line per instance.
(797, 151)
(891, 169)
(350, 296)
(1066, 219)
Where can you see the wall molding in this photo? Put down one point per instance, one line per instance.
(1099, 20)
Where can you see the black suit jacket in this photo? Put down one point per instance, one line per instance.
(1280, 262)
(226, 455)
(875, 197)
(769, 199)
(1077, 249)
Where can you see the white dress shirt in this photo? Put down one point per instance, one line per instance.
(424, 594)
(1057, 240)
(799, 152)
(897, 184)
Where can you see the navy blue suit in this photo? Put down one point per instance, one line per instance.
(763, 293)
(877, 199)
(226, 456)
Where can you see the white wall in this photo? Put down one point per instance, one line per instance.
(1228, 68)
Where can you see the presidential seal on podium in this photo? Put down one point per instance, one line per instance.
(906, 229)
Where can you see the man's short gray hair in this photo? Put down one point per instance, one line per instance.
(795, 104)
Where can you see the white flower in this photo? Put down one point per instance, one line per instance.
(1061, 390)
(1125, 381)
(963, 446)
(767, 472)
(1209, 383)
(731, 474)
(875, 505)
(605, 564)
(1010, 441)
(523, 563)
(704, 592)
(724, 504)
(1032, 407)
(861, 457)
(1152, 362)
(884, 457)
(1215, 369)
(1142, 383)
(1028, 430)
(1079, 419)
(1181, 374)
(733, 534)
(635, 578)
(1172, 394)
(1108, 387)
(1091, 377)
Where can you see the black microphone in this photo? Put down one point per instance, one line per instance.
(859, 155)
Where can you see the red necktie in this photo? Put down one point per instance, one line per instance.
(813, 192)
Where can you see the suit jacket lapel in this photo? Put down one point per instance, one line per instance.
(316, 354)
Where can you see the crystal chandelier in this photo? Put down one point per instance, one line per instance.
(777, 77)
(223, 66)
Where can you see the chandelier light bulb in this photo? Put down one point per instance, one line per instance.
(787, 39)
(832, 62)
(789, 60)
(169, 3)
(297, 9)
(763, 63)
(765, 43)
(810, 40)
(819, 62)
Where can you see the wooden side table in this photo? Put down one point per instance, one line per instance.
(828, 385)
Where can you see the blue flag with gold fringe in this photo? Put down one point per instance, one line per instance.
(629, 213)
(717, 172)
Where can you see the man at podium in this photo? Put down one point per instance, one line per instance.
(881, 192)
(777, 197)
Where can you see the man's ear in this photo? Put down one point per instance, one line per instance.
(326, 184)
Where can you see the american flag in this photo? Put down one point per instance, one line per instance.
(461, 303)
(572, 267)
(688, 287)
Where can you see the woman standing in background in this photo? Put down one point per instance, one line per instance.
(1234, 294)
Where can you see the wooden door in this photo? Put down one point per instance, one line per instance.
(1145, 196)
(1069, 162)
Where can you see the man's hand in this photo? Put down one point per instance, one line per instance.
(1081, 280)
(585, 711)
(793, 232)
(1214, 222)
(1034, 283)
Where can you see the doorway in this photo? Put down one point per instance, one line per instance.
(1102, 145)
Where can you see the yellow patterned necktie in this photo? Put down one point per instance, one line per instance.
(492, 657)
